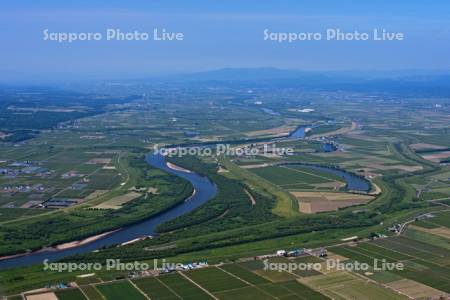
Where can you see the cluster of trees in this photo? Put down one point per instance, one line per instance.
(38, 120)
(154, 248)
(226, 220)
(78, 223)
(230, 208)
(229, 218)
(397, 194)
(25, 124)
(16, 136)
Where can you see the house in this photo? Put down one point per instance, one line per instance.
(322, 252)
(296, 252)
(395, 228)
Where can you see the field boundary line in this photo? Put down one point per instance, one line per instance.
(202, 288)
(382, 285)
(167, 287)
(81, 290)
(137, 288)
(394, 259)
(307, 173)
(419, 259)
(418, 249)
(357, 252)
(235, 276)
(283, 287)
(308, 286)
(250, 284)
(98, 291)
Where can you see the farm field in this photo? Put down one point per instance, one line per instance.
(424, 263)
(56, 174)
(245, 284)
(216, 280)
(229, 281)
(120, 290)
(314, 202)
(439, 220)
(297, 177)
(342, 285)
(155, 289)
(117, 202)
(43, 296)
(93, 168)
(71, 294)
(183, 287)
(91, 292)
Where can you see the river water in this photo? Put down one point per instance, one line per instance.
(204, 191)
(353, 182)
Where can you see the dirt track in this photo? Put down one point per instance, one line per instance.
(336, 132)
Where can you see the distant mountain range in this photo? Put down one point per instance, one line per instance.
(414, 83)
(243, 74)
(417, 82)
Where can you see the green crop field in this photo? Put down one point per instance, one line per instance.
(89, 145)
(424, 263)
(91, 292)
(441, 219)
(215, 280)
(301, 291)
(428, 238)
(120, 290)
(416, 249)
(293, 175)
(243, 274)
(275, 276)
(155, 289)
(277, 291)
(181, 286)
(70, 294)
(248, 292)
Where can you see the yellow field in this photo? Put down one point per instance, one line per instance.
(117, 202)
(277, 131)
(95, 194)
(44, 296)
(101, 161)
(415, 289)
(313, 202)
(344, 285)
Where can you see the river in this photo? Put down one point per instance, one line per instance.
(204, 191)
(353, 181)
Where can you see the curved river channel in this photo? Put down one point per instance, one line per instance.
(204, 191)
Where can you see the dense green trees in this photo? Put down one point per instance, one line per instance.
(78, 223)
(228, 219)
(231, 208)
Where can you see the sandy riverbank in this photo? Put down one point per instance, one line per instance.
(177, 168)
(190, 197)
(83, 241)
(64, 245)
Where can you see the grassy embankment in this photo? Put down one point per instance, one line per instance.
(286, 205)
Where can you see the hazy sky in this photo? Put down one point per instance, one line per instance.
(217, 34)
